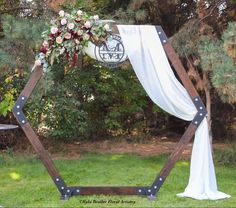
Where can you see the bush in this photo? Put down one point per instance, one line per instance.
(226, 156)
(89, 102)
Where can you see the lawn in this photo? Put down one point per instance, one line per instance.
(24, 181)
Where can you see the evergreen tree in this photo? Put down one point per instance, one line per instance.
(218, 58)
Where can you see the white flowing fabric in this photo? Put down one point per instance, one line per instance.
(149, 61)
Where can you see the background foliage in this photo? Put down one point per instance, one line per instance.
(94, 102)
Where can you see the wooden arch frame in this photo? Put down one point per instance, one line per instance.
(149, 191)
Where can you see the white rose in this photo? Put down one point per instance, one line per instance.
(107, 27)
(63, 21)
(41, 55)
(71, 26)
(38, 62)
(96, 17)
(86, 37)
(54, 30)
(61, 13)
(87, 24)
(62, 50)
(80, 32)
(67, 36)
(79, 12)
(77, 41)
(59, 40)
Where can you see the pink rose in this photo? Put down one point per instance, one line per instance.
(59, 40)
(54, 30)
(67, 36)
(71, 26)
(45, 44)
(61, 13)
(80, 32)
(63, 21)
(87, 24)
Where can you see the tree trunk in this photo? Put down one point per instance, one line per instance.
(207, 90)
(202, 83)
(202, 13)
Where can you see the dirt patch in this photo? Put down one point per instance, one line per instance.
(75, 149)
(155, 146)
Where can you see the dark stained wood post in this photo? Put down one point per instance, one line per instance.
(29, 132)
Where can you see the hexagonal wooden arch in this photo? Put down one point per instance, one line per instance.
(149, 191)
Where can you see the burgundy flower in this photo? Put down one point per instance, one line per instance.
(74, 35)
(52, 36)
(44, 50)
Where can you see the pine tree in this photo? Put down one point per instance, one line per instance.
(219, 59)
(22, 38)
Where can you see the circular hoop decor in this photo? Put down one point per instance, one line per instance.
(68, 35)
(110, 54)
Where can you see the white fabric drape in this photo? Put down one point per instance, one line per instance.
(149, 61)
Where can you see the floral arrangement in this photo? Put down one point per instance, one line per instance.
(68, 35)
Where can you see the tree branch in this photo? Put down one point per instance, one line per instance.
(210, 13)
(22, 8)
(13, 9)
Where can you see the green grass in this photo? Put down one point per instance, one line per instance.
(24, 181)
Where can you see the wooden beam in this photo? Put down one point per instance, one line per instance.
(185, 139)
(29, 132)
(190, 131)
(33, 81)
(110, 190)
(40, 150)
(180, 70)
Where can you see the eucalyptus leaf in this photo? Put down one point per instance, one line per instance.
(52, 57)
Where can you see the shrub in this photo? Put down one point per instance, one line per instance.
(226, 156)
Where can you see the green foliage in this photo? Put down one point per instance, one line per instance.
(9, 87)
(65, 117)
(226, 156)
(186, 41)
(6, 59)
(216, 56)
(229, 40)
(7, 102)
(54, 107)
(215, 59)
(11, 84)
(210, 52)
(89, 102)
(132, 11)
(22, 38)
(24, 30)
